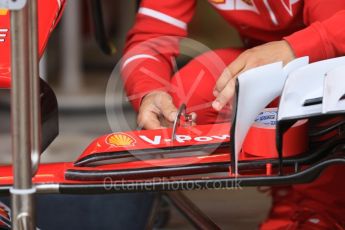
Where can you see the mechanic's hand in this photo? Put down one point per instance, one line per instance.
(261, 55)
(156, 110)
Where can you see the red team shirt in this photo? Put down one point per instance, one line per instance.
(314, 28)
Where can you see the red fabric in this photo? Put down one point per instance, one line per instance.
(49, 13)
(317, 21)
(291, 209)
(145, 29)
(325, 34)
(194, 83)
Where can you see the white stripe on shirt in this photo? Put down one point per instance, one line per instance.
(138, 56)
(163, 17)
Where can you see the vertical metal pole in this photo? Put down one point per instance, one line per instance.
(35, 86)
(71, 49)
(22, 191)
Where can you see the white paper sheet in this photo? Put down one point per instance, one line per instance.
(257, 88)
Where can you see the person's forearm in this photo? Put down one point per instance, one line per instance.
(321, 40)
(151, 46)
(143, 77)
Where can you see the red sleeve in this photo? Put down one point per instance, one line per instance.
(324, 36)
(146, 65)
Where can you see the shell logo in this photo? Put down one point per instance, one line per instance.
(120, 140)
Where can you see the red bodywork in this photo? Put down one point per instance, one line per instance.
(55, 172)
(143, 141)
(49, 13)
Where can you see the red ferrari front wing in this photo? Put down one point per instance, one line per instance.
(186, 163)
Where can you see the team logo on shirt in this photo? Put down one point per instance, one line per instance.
(3, 11)
(249, 2)
(246, 5)
(217, 1)
(287, 4)
(249, 5)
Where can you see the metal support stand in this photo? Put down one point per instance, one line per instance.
(195, 216)
(25, 112)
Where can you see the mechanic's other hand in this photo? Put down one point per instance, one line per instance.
(260, 55)
(156, 110)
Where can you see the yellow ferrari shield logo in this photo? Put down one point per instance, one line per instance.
(3, 12)
(218, 1)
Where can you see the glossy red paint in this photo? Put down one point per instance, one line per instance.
(196, 136)
(49, 13)
(158, 139)
(55, 172)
